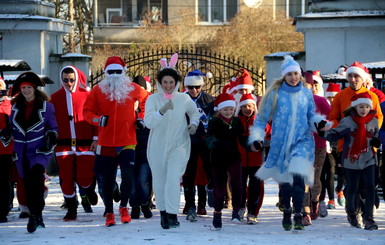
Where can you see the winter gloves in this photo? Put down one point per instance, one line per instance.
(320, 126)
(50, 143)
(140, 124)
(103, 120)
(192, 128)
(258, 145)
(168, 106)
(375, 142)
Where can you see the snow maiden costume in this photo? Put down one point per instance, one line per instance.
(291, 156)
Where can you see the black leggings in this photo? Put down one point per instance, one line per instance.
(353, 177)
(5, 184)
(34, 189)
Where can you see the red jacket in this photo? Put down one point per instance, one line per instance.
(120, 129)
(249, 159)
(5, 109)
(69, 115)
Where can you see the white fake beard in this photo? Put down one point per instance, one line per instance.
(117, 87)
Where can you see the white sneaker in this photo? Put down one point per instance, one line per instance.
(241, 213)
(252, 219)
(323, 210)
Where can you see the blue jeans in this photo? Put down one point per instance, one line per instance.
(141, 190)
(294, 192)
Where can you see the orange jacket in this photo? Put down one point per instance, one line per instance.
(121, 128)
(342, 101)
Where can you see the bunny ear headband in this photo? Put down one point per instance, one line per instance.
(173, 60)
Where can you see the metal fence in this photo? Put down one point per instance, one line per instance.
(223, 68)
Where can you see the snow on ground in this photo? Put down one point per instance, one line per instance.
(89, 229)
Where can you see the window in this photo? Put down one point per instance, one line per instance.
(214, 11)
(111, 12)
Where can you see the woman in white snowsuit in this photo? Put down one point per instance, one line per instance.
(169, 142)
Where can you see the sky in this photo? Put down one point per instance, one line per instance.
(89, 229)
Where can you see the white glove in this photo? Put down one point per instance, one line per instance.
(192, 128)
(168, 106)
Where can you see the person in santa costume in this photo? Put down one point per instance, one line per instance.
(110, 106)
(360, 129)
(75, 149)
(169, 143)
(34, 130)
(6, 150)
(291, 108)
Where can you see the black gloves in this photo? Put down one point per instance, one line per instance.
(103, 120)
(140, 124)
(50, 142)
(375, 142)
(6, 133)
(258, 145)
(320, 126)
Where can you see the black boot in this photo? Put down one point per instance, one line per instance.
(352, 219)
(173, 221)
(146, 211)
(164, 220)
(116, 194)
(286, 221)
(217, 220)
(39, 221)
(32, 223)
(72, 210)
(135, 212)
(86, 204)
(91, 194)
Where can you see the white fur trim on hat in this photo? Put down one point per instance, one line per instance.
(245, 102)
(194, 81)
(362, 101)
(245, 86)
(357, 70)
(318, 80)
(292, 68)
(330, 94)
(226, 103)
(114, 67)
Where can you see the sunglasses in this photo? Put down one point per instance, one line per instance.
(110, 72)
(192, 87)
(66, 80)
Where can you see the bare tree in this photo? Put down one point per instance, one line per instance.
(82, 20)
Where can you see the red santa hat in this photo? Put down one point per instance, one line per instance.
(247, 99)
(358, 69)
(317, 77)
(148, 83)
(224, 100)
(3, 83)
(115, 63)
(233, 85)
(362, 98)
(332, 89)
(245, 81)
(226, 88)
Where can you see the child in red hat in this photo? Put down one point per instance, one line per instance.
(223, 133)
(359, 128)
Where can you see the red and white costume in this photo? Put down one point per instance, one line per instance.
(73, 154)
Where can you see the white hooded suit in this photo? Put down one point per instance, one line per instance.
(169, 145)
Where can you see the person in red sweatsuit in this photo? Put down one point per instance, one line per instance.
(76, 143)
(110, 106)
(251, 162)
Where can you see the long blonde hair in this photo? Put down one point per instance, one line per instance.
(274, 88)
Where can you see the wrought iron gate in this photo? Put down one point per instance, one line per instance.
(146, 63)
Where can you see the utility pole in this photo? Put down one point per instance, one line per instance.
(71, 38)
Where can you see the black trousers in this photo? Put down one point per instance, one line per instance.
(5, 184)
(34, 189)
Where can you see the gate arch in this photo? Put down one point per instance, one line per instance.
(223, 68)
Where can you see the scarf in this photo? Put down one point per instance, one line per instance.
(360, 143)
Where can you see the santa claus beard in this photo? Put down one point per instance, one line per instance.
(116, 87)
